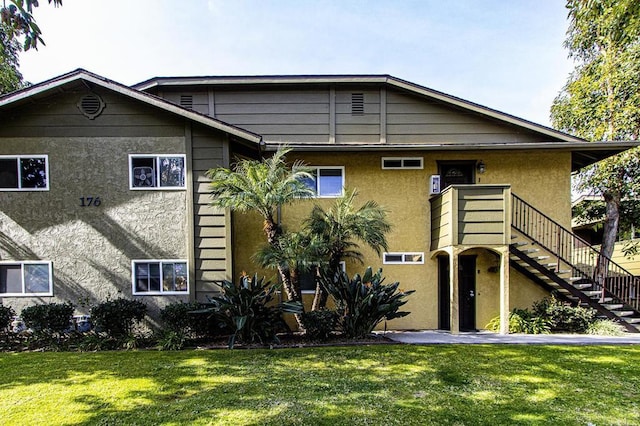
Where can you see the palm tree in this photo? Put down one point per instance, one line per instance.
(340, 227)
(295, 252)
(262, 186)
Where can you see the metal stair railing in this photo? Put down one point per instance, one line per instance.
(588, 263)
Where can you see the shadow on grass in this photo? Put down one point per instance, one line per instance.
(353, 385)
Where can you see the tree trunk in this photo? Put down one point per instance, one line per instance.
(292, 290)
(320, 298)
(273, 232)
(610, 233)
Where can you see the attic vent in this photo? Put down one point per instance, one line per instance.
(186, 101)
(91, 106)
(357, 103)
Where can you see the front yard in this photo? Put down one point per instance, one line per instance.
(381, 385)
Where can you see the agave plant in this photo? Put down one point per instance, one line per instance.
(364, 301)
(249, 310)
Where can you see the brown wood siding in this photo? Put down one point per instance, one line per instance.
(481, 213)
(363, 128)
(279, 116)
(441, 206)
(59, 116)
(411, 119)
(308, 115)
(210, 229)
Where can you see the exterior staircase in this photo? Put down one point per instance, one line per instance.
(568, 266)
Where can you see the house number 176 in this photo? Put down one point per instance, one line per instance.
(90, 201)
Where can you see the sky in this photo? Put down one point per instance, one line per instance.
(503, 54)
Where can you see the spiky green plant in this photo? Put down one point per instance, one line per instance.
(250, 311)
(364, 301)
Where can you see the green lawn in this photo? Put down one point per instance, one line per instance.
(380, 385)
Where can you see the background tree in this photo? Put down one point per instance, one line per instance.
(16, 21)
(10, 77)
(263, 186)
(19, 21)
(339, 228)
(601, 99)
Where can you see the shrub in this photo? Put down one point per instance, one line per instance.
(248, 310)
(6, 317)
(319, 324)
(606, 327)
(187, 319)
(563, 317)
(48, 318)
(170, 340)
(364, 301)
(521, 321)
(117, 317)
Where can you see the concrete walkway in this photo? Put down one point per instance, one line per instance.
(429, 337)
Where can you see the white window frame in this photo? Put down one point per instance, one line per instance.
(318, 189)
(402, 161)
(156, 160)
(162, 292)
(22, 264)
(406, 258)
(343, 266)
(17, 158)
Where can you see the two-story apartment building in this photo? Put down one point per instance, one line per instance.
(103, 190)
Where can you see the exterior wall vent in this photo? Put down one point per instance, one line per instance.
(186, 101)
(357, 103)
(91, 105)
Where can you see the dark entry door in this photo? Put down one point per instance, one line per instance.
(456, 173)
(444, 309)
(467, 292)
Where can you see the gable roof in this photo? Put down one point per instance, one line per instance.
(584, 152)
(382, 79)
(80, 75)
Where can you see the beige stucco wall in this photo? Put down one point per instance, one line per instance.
(542, 179)
(92, 247)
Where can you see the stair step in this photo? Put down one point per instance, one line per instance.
(632, 320)
(592, 293)
(623, 313)
(582, 286)
(563, 271)
(540, 257)
(575, 278)
(519, 243)
(612, 307)
(531, 250)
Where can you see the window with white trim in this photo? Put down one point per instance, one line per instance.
(307, 279)
(406, 258)
(26, 278)
(157, 171)
(402, 163)
(24, 173)
(160, 277)
(327, 182)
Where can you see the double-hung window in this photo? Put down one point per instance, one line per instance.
(326, 182)
(24, 173)
(157, 171)
(25, 278)
(160, 277)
